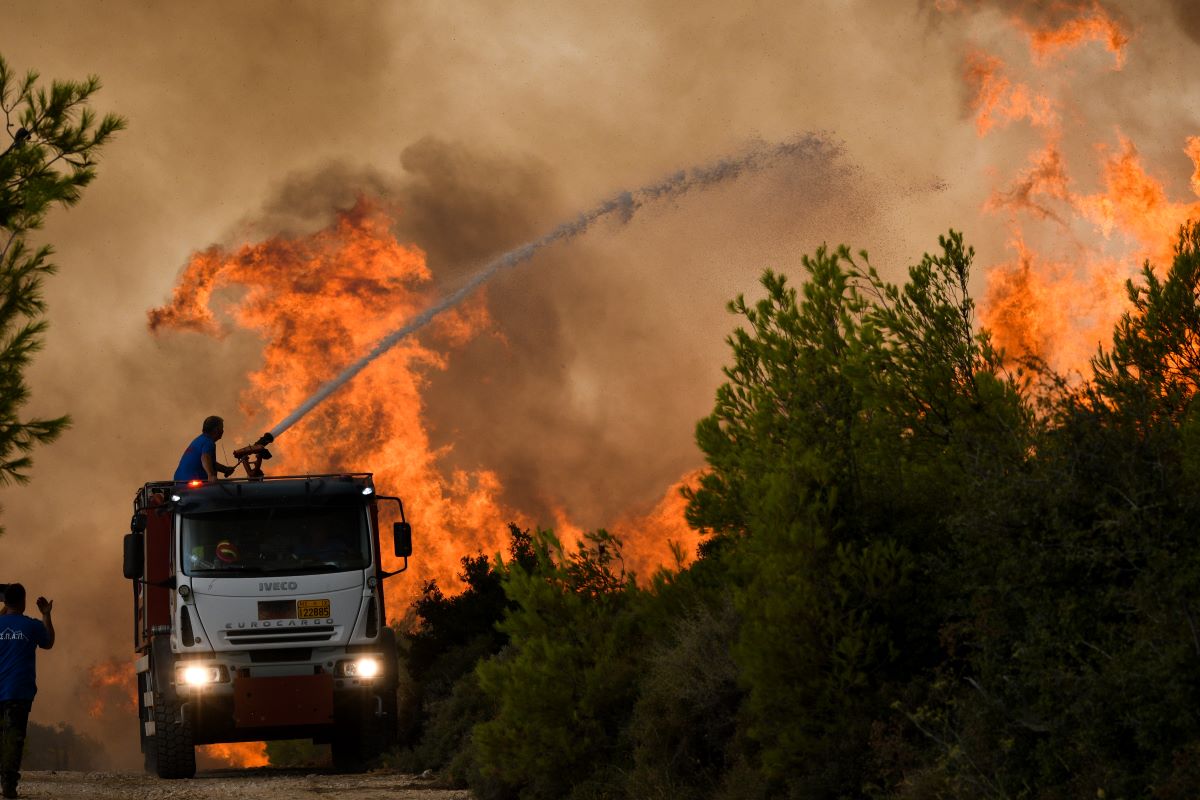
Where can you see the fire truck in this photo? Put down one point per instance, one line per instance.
(259, 615)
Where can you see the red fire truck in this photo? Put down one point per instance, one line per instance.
(259, 614)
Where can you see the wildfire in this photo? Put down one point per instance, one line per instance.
(111, 684)
(1085, 22)
(996, 99)
(1058, 298)
(236, 754)
(657, 535)
(1054, 29)
(321, 301)
(1135, 203)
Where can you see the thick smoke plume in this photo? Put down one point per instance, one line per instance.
(317, 297)
(622, 206)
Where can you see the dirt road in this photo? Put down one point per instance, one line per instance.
(260, 784)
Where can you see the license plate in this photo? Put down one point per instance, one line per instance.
(312, 609)
(276, 609)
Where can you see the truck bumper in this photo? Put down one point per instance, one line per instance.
(286, 700)
(282, 707)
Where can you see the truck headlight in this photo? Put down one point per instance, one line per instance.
(365, 667)
(200, 674)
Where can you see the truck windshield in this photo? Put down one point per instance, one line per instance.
(271, 541)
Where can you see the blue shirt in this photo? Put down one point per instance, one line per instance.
(191, 467)
(20, 636)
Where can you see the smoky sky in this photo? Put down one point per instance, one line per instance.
(1187, 14)
(510, 403)
(486, 125)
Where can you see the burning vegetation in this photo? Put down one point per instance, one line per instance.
(318, 302)
(1058, 300)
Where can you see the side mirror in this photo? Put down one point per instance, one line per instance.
(402, 539)
(134, 548)
(138, 523)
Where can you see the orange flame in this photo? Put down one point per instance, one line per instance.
(1060, 304)
(234, 754)
(112, 684)
(1088, 22)
(319, 302)
(1136, 204)
(996, 100)
(654, 536)
(1044, 308)
(1193, 152)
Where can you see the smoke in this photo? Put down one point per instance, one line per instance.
(621, 206)
(1187, 14)
(562, 442)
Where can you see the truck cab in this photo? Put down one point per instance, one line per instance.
(259, 614)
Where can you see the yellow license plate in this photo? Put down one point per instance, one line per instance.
(312, 609)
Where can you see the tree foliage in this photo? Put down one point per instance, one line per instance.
(54, 139)
(931, 571)
(565, 687)
(450, 636)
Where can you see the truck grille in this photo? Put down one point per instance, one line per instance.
(316, 633)
(280, 655)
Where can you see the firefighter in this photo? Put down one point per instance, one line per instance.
(20, 636)
(199, 460)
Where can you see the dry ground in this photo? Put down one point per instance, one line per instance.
(261, 784)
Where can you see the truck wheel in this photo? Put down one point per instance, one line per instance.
(386, 729)
(349, 751)
(174, 751)
(356, 748)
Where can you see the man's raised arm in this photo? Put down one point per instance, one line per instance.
(46, 606)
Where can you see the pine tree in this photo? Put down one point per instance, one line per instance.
(54, 139)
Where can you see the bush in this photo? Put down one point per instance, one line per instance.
(450, 636)
(565, 686)
(685, 719)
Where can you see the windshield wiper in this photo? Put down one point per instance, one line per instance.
(241, 569)
(318, 568)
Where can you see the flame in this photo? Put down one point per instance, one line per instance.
(1041, 307)
(234, 754)
(1135, 203)
(1054, 29)
(1086, 22)
(319, 302)
(112, 684)
(652, 538)
(996, 99)
(1060, 293)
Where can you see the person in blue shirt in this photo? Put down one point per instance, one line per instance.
(199, 460)
(20, 637)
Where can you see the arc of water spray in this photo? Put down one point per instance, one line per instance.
(621, 206)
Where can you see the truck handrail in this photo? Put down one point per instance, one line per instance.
(264, 479)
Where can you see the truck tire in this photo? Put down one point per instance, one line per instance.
(362, 736)
(388, 726)
(172, 745)
(351, 750)
(358, 744)
(174, 750)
